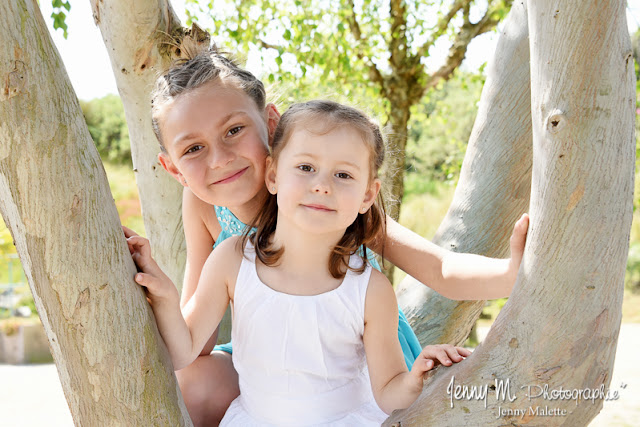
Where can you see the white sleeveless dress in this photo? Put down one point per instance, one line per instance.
(300, 359)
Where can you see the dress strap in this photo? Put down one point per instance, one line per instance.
(247, 280)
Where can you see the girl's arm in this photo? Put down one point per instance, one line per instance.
(458, 276)
(394, 387)
(185, 336)
(200, 228)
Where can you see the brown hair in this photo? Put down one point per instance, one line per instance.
(367, 226)
(191, 73)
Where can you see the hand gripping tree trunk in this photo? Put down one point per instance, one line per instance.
(493, 190)
(55, 200)
(158, 38)
(561, 324)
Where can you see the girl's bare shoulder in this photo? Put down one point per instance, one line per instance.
(199, 212)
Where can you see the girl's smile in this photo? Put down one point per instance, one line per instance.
(216, 143)
(232, 177)
(321, 208)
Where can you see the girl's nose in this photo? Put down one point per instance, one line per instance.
(220, 156)
(321, 185)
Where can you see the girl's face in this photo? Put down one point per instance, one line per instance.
(323, 181)
(215, 138)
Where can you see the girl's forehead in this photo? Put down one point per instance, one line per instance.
(217, 90)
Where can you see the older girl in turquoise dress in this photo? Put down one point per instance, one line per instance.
(214, 127)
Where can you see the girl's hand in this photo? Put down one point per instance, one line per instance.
(433, 355)
(517, 243)
(159, 286)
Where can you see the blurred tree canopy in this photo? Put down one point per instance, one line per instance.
(373, 50)
(108, 127)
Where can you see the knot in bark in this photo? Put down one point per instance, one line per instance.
(556, 121)
(15, 81)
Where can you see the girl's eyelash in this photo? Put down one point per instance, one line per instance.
(346, 175)
(192, 149)
(234, 130)
(305, 168)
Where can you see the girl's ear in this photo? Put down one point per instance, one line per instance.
(370, 195)
(270, 176)
(168, 165)
(273, 117)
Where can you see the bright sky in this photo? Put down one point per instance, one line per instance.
(89, 69)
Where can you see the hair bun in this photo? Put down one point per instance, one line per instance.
(193, 42)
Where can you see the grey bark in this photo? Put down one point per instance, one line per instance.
(494, 186)
(561, 323)
(136, 36)
(142, 39)
(55, 200)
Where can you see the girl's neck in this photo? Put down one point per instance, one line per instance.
(305, 253)
(247, 211)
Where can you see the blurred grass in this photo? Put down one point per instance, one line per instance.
(122, 183)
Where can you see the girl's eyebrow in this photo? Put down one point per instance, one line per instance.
(185, 138)
(341, 162)
(230, 115)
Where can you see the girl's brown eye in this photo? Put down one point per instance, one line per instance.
(194, 149)
(235, 130)
(343, 175)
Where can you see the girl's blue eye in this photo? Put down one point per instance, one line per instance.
(306, 168)
(343, 175)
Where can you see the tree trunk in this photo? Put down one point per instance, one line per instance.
(135, 35)
(56, 202)
(393, 168)
(159, 39)
(561, 324)
(493, 190)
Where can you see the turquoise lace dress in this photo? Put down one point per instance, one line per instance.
(232, 226)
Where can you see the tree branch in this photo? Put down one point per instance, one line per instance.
(398, 42)
(441, 26)
(266, 45)
(374, 73)
(458, 49)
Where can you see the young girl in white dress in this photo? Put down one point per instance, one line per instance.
(314, 326)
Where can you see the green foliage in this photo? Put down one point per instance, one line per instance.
(6, 241)
(440, 128)
(632, 274)
(332, 44)
(59, 15)
(108, 127)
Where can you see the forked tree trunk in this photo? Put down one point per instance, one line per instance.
(561, 324)
(56, 202)
(494, 186)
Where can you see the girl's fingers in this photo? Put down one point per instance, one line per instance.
(128, 232)
(463, 351)
(445, 354)
(439, 354)
(457, 354)
(519, 235)
(146, 280)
